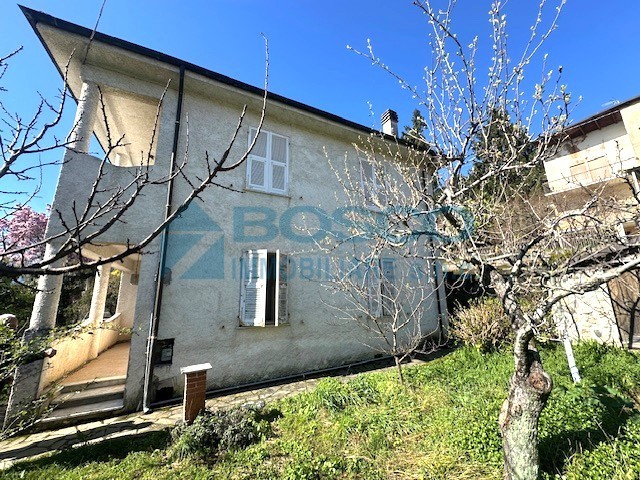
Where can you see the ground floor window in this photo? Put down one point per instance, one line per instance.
(381, 283)
(263, 295)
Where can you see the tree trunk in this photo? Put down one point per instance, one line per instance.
(528, 393)
(398, 361)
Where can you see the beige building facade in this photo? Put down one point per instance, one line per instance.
(600, 159)
(241, 282)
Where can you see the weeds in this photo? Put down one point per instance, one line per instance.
(441, 425)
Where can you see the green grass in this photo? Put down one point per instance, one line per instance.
(441, 425)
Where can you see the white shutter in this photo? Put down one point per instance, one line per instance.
(279, 148)
(279, 160)
(387, 284)
(254, 278)
(367, 177)
(256, 173)
(282, 279)
(257, 161)
(267, 165)
(260, 148)
(373, 290)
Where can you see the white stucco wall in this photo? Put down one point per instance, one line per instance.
(126, 302)
(202, 315)
(589, 316)
(77, 349)
(198, 311)
(612, 141)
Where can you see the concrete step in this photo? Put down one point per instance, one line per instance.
(64, 416)
(89, 396)
(97, 383)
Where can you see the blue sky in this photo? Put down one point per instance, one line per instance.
(596, 43)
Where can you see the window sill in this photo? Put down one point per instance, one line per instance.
(257, 327)
(265, 192)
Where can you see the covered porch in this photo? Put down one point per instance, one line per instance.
(98, 347)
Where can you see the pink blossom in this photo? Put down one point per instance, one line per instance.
(24, 228)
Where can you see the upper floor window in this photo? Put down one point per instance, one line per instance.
(372, 185)
(268, 163)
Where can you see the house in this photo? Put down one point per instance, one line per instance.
(235, 280)
(600, 158)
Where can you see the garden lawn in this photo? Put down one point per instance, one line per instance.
(442, 424)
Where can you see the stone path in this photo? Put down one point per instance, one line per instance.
(37, 444)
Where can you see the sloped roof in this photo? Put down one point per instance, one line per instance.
(35, 17)
(600, 120)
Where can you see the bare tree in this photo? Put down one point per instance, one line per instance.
(385, 286)
(23, 142)
(101, 208)
(486, 136)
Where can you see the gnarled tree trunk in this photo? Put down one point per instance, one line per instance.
(528, 393)
(529, 390)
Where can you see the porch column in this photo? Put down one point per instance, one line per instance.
(26, 380)
(126, 301)
(88, 101)
(45, 306)
(98, 300)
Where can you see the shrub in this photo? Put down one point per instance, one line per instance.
(483, 325)
(216, 432)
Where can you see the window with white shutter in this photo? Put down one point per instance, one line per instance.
(268, 163)
(388, 289)
(263, 295)
(373, 289)
(253, 297)
(282, 312)
(381, 287)
(372, 187)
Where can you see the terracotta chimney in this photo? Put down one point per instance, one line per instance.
(390, 123)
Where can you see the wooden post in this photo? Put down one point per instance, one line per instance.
(195, 386)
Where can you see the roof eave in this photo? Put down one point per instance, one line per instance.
(34, 17)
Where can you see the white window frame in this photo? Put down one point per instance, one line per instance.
(381, 288)
(372, 188)
(253, 288)
(269, 164)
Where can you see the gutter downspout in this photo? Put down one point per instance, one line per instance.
(157, 303)
(435, 269)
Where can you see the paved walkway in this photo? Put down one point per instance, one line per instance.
(37, 444)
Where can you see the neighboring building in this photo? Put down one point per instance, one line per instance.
(238, 289)
(601, 158)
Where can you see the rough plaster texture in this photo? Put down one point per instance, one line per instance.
(74, 351)
(202, 315)
(631, 119)
(612, 141)
(198, 311)
(86, 113)
(45, 307)
(126, 302)
(26, 382)
(98, 300)
(589, 316)
(144, 308)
